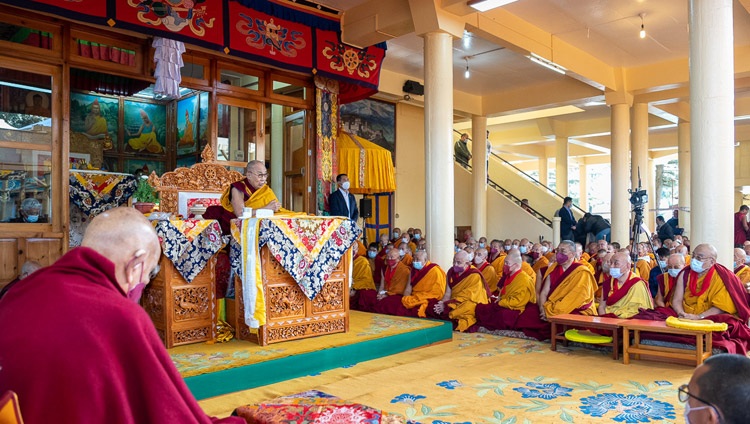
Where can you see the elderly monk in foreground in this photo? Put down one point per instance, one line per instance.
(741, 270)
(624, 293)
(393, 280)
(465, 290)
(427, 283)
(515, 309)
(77, 347)
(250, 192)
(708, 290)
(487, 270)
(568, 286)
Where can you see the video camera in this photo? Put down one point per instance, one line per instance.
(638, 198)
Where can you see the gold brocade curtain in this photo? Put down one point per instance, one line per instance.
(369, 166)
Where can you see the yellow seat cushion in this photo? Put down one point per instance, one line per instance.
(10, 413)
(586, 337)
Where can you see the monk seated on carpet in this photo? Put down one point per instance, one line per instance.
(361, 275)
(78, 348)
(666, 282)
(644, 263)
(427, 283)
(466, 289)
(582, 258)
(251, 192)
(623, 293)
(708, 290)
(393, 280)
(496, 253)
(568, 287)
(515, 308)
(487, 270)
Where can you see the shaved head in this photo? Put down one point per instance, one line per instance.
(514, 257)
(739, 255)
(420, 256)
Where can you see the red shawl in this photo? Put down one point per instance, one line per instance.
(557, 276)
(419, 274)
(77, 350)
(662, 286)
(619, 292)
(454, 279)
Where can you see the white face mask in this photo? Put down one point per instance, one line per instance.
(689, 410)
(673, 272)
(471, 256)
(507, 247)
(478, 260)
(345, 185)
(401, 253)
(544, 249)
(696, 265)
(615, 272)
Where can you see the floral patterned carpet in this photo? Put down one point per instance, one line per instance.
(483, 378)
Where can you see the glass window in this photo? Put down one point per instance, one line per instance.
(193, 70)
(237, 133)
(290, 90)
(239, 79)
(25, 146)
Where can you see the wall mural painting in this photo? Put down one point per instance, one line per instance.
(95, 117)
(145, 125)
(187, 125)
(372, 120)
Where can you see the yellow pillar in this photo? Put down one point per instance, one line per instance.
(712, 125)
(683, 160)
(620, 124)
(561, 165)
(479, 174)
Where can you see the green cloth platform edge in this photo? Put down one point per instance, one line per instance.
(250, 376)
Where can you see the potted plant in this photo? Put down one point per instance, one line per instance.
(144, 196)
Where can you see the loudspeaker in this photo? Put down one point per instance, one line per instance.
(365, 208)
(413, 87)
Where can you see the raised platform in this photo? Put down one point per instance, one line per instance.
(217, 369)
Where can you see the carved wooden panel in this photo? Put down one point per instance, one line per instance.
(153, 302)
(285, 301)
(331, 298)
(207, 176)
(191, 303)
(307, 329)
(192, 335)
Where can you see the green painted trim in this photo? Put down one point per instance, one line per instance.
(263, 373)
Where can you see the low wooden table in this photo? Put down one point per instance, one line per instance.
(604, 323)
(703, 341)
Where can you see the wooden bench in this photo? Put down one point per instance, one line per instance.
(703, 342)
(585, 321)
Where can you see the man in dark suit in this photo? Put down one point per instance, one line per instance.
(341, 202)
(567, 220)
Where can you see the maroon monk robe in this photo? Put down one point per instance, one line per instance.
(224, 216)
(392, 305)
(494, 317)
(452, 280)
(77, 350)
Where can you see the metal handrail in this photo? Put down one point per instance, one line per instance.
(509, 195)
(534, 180)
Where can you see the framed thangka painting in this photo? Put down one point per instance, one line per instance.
(94, 117)
(145, 125)
(187, 125)
(372, 120)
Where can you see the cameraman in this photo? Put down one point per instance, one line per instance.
(597, 226)
(664, 230)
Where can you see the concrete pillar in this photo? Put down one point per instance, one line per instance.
(556, 239)
(712, 124)
(438, 124)
(620, 204)
(683, 160)
(561, 165)
(277, 150)
(479, 174)
(583, 203)
(639, 147)
(649, 183)
(543, 170)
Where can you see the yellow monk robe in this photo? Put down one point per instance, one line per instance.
(702, 298)
(643, 267)
(396, 279)
(361, 249)
(407, 259)
(585, 257)
(490, 275)
(588, 265)
(549, 255)
(362, 274)
(539, 264)
(525, 267)
(426, 285)
(518, 292)
(625, 300)
(743, 273)
(575, 293)
(465, 295)
(253, 199)
(687, 260)
(498, 262)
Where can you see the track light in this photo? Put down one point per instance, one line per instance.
(546, 63)
(643, 29)
(467, 74)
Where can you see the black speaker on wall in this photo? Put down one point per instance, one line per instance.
(413, 87)
(365, 207)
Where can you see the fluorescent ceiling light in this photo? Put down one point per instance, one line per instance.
(25, 87)
(485, 5)
(546, 63)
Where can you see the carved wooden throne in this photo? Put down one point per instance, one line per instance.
(186, 313)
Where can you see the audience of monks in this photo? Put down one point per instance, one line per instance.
(516, 285)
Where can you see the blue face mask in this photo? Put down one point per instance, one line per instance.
(663, 264)
(481, 244)
(522, 249)
(371, 254)
(417, 265)
(615, 272)
(417, 236)
(673, 272)
(32, 218)
(696, 265)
